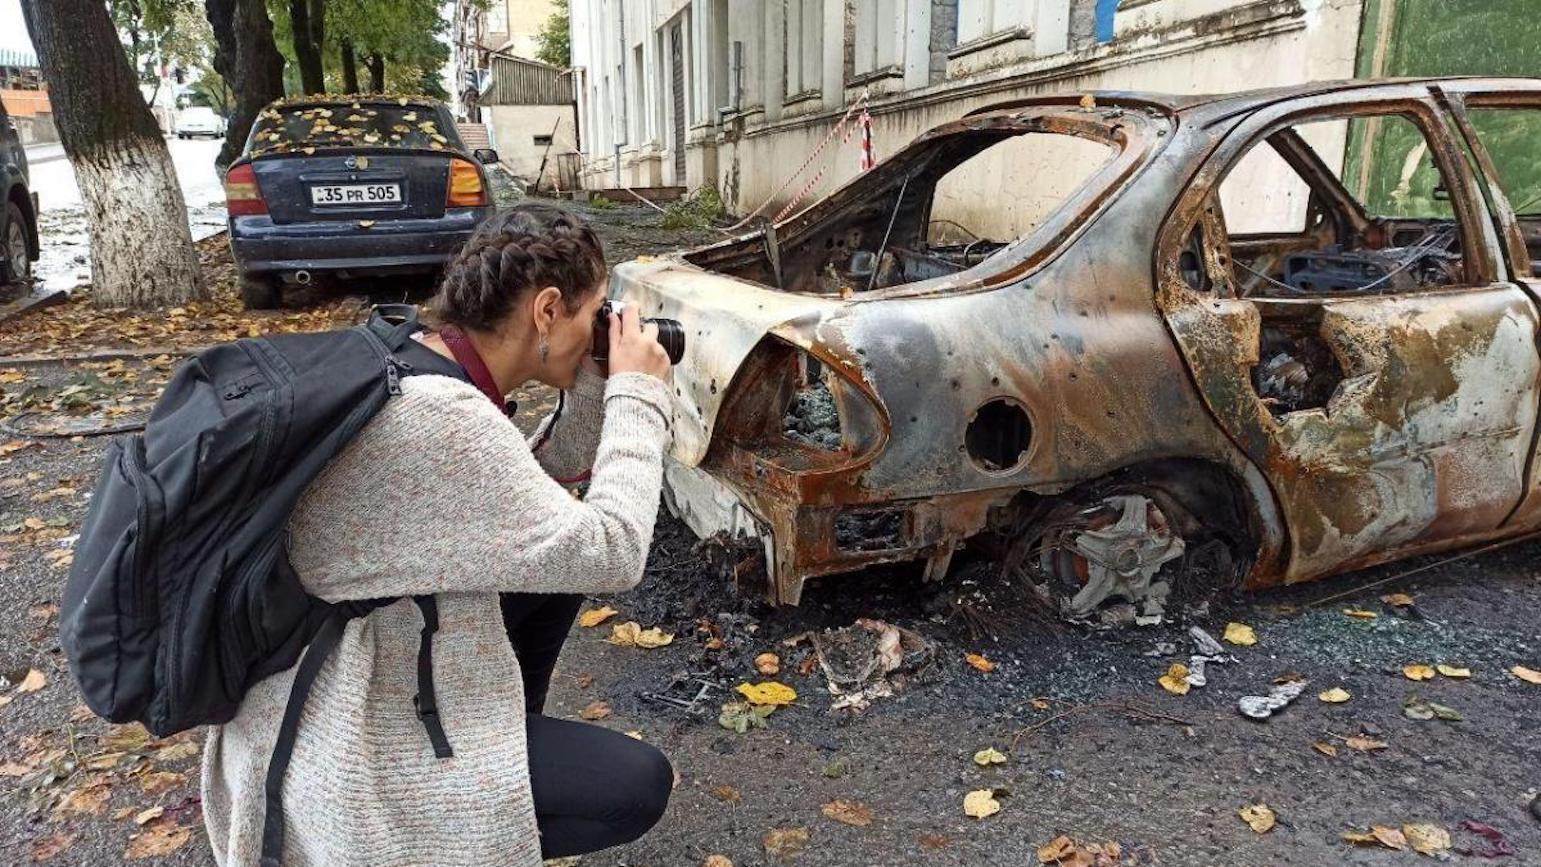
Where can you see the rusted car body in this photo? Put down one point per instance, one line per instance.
(1129, 389)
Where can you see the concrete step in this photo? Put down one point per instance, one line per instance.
(474, 135)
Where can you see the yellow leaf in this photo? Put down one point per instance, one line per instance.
(34, 681)
(1258, 817)
(848, 813)
(1359, 838)
(1040, 704)
(87, 800)
(717, 861)
(595, 616)
(157, 782)
(1360, 613)
(989, 756)
(1453, 671)
(768, 692)
(1427, 839)
(1529, 675)
(768, 664)
(366, 224)
(1175, 680)
(1336, 695)
(1240, 634)
(1391, 838)
(1363, 744)
(1417, 672)
(980, 803)
(1056, 850)
(157, 841)
(1400, 600)
(596, 710)
(1325, 749)
(785, 843)
(1088, 101)
(144, 816)
(631, 634)
(979, 662)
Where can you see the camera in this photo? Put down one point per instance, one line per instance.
(671, 334)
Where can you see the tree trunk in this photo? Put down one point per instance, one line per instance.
(376, 65)
(307, 48)
(141, 250)
(349, 68)
(248, 59)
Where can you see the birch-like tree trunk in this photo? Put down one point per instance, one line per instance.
(141, 250)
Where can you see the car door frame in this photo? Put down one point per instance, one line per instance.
(1344, 508)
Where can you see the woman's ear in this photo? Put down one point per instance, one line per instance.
(547, 308)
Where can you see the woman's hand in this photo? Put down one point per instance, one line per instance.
(634, 346)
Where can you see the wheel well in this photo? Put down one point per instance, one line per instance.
(17, 195)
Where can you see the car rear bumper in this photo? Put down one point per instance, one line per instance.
(384, 247)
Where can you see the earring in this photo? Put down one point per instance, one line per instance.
(545, 349)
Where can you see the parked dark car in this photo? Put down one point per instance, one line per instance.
(18, 218)
(351, 188)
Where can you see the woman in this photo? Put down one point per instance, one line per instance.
(440, 494)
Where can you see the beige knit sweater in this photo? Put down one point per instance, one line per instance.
(438, 494)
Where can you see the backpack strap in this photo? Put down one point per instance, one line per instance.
(426, 701)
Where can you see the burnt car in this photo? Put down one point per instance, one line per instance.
(18, 209)
(1236, 340)
(345, 187)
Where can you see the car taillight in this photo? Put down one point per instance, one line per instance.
(243, 197)
(466, 189)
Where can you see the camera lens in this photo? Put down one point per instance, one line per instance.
(671, 335)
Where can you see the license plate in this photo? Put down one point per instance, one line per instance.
(355, 194)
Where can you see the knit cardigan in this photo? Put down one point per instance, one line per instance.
(438, 494)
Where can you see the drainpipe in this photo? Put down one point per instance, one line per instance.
(624, 134)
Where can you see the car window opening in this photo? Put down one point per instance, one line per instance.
(1339, 208)
(959, 200)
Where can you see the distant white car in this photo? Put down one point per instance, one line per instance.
(200, 121)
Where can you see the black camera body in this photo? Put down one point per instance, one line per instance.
(671, 334)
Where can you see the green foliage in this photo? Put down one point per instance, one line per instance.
(555, 37)
(173, 33)
(405, 33)
(699, 210)
(599, 203)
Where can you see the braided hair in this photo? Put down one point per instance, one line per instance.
(527, 247)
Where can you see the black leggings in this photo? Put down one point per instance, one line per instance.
(593, 788)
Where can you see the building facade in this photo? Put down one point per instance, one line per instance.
(748, 95)
(481, 30)
(25, 96)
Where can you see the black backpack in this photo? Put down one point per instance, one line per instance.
(181, 595)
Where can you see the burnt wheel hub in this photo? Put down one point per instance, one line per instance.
(1117, 547)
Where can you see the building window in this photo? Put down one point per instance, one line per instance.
(804, 45)
(879, 34)
(542, 140)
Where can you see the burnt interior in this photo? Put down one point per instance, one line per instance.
(1342, 252)
(869, 529)
(998, 435)
(1296, 368)
(877, 232)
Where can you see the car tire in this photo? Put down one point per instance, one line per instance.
(261, 293)
(13, 230)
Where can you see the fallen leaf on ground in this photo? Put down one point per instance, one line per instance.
(981, 803)
(1418, 672)
(726, 794)
(741, 716)
(1240, 634)
(934, 841)
(1400, 600)
(144, 816)
(848, 813)
(1259, 817)
(631, 634)
(1426, 839)
(989, 756)
(584, 681)
(49, 846)
(767, 693)
(1325, 749)
(1360, 613)
(1175, 680)
(87, 800)
(768, 664)
(177, 752)
(126, 738)
(1056, 850)
(34, 681)
(1454, 671)
(979, 662)
(1417, 708)
(1390, 837)
(157, 840)
(1336, 695)
(785, 843)
(1088, 102)
(1529, 675)
(156, 782)
(596, 710)
(716, 861)
(1040, 704)
(1363, 744)
(595, 616)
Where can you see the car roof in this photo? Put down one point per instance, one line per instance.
(1219, 105)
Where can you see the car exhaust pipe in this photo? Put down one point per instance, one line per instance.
(302, 278)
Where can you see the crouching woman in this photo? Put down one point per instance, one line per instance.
(441, 495)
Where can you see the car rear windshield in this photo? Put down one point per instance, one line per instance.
(310, 127)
